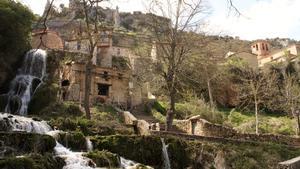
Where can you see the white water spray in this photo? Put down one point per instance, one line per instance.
(22, 88)
(26, 82)
(167, 164)
(89, 144)
(19, 123)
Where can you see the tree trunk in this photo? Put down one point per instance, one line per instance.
(296, 116)
(298, 125)
(256, 115)
(171, 111)
(88, 79)
(211, 100)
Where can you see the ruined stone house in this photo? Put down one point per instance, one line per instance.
(113, 64)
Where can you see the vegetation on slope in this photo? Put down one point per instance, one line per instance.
(15, 28)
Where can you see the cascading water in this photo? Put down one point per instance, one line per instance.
(89, 144)
(29, 77)
(22, 88)
(167, 164)
(19, 123)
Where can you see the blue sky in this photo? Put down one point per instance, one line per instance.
(261, 18)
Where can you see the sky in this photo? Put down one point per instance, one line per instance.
(260, 19)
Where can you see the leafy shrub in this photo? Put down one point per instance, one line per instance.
(199, 107)
(159, 107)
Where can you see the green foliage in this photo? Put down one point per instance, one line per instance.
(158, 106)
(199, 107)
(120, 63)
(15, 27)
(245, 122)
(105, 120)
(104, 158)
(157, 115)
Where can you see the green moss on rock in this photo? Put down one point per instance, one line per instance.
(44, 96)
(104, 159)
(144, 149)
(33, 161)
(59, 109)
(74, 140)
(20, 143)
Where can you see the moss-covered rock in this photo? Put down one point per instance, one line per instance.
(74, 140)
(104, 159)
(44, 96)
(144, 149)
(19, 143)
(102, 123)
(239, 156)
(59, 110)
(33, 161)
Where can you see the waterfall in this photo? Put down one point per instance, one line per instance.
(128, 164)
(22, 88)
(28, 78)
(89, 144)
(167, 164)
(19, 123)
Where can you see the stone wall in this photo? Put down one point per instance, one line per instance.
(290, 164)
(128, 118)
(141, 126)
(200, 127)
(50, 40)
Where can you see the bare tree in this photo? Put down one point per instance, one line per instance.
(291, 99)
(92, 30)
(174, 41)
(256, 87)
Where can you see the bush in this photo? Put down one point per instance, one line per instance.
(245, 122)
(159, 107)
(15, 27)
(199, 107)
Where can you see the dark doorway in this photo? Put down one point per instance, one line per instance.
(103, 89)
(65, 83)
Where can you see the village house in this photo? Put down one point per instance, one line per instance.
(114, 64)
(262, 55)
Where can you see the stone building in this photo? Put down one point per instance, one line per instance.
(114, 63)
(46, 39)
(262, 55)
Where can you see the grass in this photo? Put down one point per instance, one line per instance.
(241, 121)
(104, 121)
(245, 122)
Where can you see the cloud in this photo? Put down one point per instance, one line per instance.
(262, 19)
